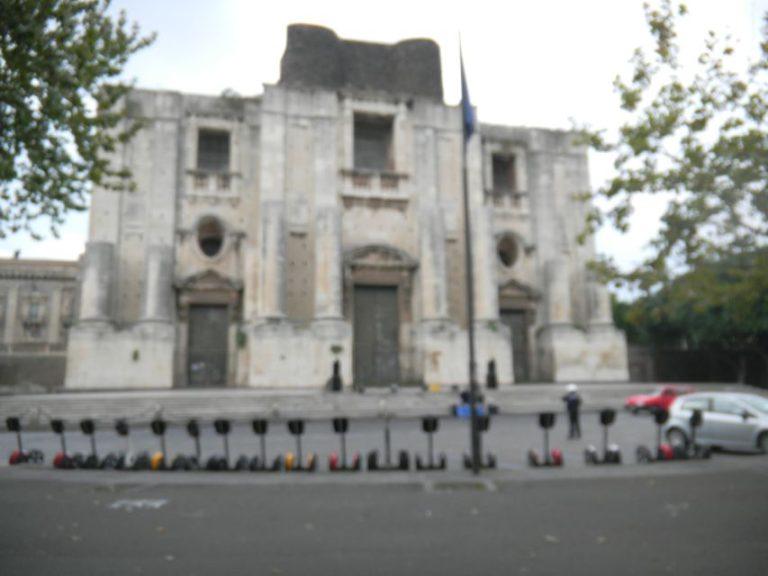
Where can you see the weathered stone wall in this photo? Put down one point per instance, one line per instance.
(38, 300)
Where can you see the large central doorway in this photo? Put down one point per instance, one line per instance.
(376, 336)
(517, 320)
(207, 345)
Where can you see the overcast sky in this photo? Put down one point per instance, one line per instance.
(529, 63)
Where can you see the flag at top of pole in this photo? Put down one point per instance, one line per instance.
(468, 112)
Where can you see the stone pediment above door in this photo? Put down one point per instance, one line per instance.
(379, 256)
(207, 287)
(516, 294)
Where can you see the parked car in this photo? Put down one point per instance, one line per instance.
(730, 420)
(659, 399)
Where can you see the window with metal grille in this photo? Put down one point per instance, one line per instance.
(504, 181)
(213, 150)
(373, 143)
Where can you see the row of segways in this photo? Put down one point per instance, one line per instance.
(127, 459)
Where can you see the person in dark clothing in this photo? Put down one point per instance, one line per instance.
(572, 405)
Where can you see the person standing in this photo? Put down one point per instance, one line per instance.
(572, 401)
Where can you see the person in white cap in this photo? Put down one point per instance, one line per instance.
(572, 404)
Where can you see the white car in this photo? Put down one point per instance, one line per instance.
(730, 420)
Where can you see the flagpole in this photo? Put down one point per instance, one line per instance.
(467, 129)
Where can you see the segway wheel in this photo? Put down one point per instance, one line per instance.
(333, 461)
(179, 463)
(404, 461)
(419, 465)
(289, 461)
(356, 462)
(467, 462)
(242, 464)
(36, 456)
(643, 455)
(533, 459)
(666, 452)
(312, 462)
(109, 462)
(491, 461)
(142, 462)
(17, 457)
(78, 461)
(557, 457)
(255, 464)
(277, 464)
(60, 461)
(443, 462)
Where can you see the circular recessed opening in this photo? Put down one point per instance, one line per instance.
(210, 236)
(507, 250)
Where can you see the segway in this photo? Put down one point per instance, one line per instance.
(88, 427)
(487, 461)
(294, 463)
(159, 426)
(183, 462)
(20, 456)
(611, 452)
(403, 459)
(553, 458)
(259, 463)
(126, 459)
(430, 425)
(220, 463)
(665, 452)
(62, 460)
(341, 426)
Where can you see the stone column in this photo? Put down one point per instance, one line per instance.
(432, 265)
(11, 311)
(270, 300)
(558, 292)
(96, 287)
(328, 221)
(54, 317)
(271, 263)
(483, 244)
(600, 304)
(328, 266)
(156, 295)
(432, 268)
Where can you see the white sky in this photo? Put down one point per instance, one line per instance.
(529, 63)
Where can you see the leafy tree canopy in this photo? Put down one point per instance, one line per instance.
(59, 114)
(700, 136)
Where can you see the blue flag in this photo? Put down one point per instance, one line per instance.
(467, 111)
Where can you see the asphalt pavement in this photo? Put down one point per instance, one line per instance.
(696, 520)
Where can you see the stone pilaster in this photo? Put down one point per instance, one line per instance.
(54, 316)
(270, 299)
(328, 266)
(96, 288)
(11, 311)
(156, 295)
(558, 292)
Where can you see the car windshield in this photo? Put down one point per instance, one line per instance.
(756, 402)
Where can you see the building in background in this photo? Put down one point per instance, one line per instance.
(270, 237)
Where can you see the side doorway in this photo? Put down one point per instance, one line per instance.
(517, 321)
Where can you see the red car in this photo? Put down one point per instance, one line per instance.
(661, 398)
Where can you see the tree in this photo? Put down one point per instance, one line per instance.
(700, 137)
(59, 106)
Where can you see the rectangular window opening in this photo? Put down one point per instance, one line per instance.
(373, 143)
(504, 181)
(213, 150)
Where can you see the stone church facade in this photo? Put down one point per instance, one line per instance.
(321, 222)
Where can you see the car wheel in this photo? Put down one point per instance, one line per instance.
(677, 437)
(762, 442)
